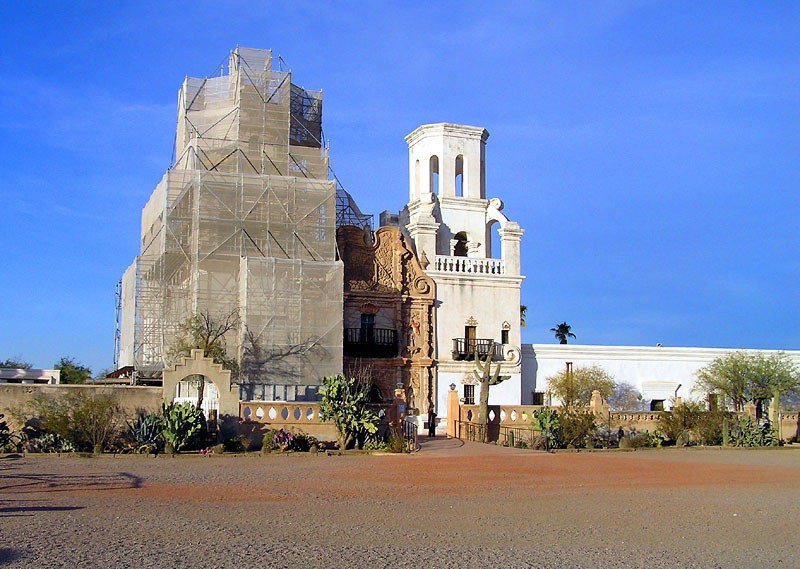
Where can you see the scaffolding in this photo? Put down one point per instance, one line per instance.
(243, 221)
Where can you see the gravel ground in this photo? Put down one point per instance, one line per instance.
(450, 505)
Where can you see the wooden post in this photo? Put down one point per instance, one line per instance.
(452, 412)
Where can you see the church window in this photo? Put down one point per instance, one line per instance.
(469, 395)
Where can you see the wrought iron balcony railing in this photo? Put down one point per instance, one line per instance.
(465, 349)
(370, 342)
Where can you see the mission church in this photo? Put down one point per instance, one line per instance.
(247, 222)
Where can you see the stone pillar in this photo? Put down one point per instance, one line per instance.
(750, 410)
(775, 415)
(422, 231)
(452, 412)
(474, 249)
(599, 407)
(510, 237)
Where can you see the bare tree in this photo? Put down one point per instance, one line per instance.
(206, 332)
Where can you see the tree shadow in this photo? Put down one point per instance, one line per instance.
(12, 482)
(26, 510)
(7, 555)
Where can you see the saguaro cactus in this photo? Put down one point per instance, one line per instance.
(483, 373)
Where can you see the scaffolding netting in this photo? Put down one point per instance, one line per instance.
(243, 221)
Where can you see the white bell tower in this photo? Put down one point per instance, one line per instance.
(451, 224)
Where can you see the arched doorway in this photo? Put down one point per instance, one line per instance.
(188, 389)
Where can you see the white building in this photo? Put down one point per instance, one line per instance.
(658, 373)
(451, 223)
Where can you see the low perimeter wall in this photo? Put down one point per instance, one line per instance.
(517, 416)
(258, 417)
(15, 397)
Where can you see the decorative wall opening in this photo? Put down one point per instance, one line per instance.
(460, 245)
(459, 176)
(434, 175)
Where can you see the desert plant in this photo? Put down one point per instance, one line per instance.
(95, 419)
(304, 442)
(575, 427)
(181, 421)
(748, 433)
(146, 431)
(680, 421)
(84, 420)
(344, 402)
(545, 420)
(642, 440)
(46, 414)
(46, 443)
(709, 426)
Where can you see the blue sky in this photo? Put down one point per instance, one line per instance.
(649, 149)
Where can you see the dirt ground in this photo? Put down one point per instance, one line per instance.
(450, 505)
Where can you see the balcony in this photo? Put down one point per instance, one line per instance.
(465, 349)
(370, 343)
(468, 266)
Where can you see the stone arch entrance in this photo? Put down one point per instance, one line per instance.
(186, 391)
(199, 365)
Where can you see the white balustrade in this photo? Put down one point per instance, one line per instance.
(469, 265)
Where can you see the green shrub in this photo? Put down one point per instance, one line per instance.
(575, 427)
(709, 426)
(268, 443)
(95, 419)
(84, 421)
(396, 444)
(375, 446)
(233, 444)
(304, 442)
(682, 420)
(645, 439)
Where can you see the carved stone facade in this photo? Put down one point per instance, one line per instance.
(388, 314)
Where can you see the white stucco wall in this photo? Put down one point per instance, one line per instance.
(657, 372)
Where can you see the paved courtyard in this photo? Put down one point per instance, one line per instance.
(450, 505)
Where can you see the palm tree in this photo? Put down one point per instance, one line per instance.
(523, 311)
(562, 332)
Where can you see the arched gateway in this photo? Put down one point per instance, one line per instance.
(198, 364)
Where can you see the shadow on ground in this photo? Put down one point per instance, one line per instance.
(7, 555)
